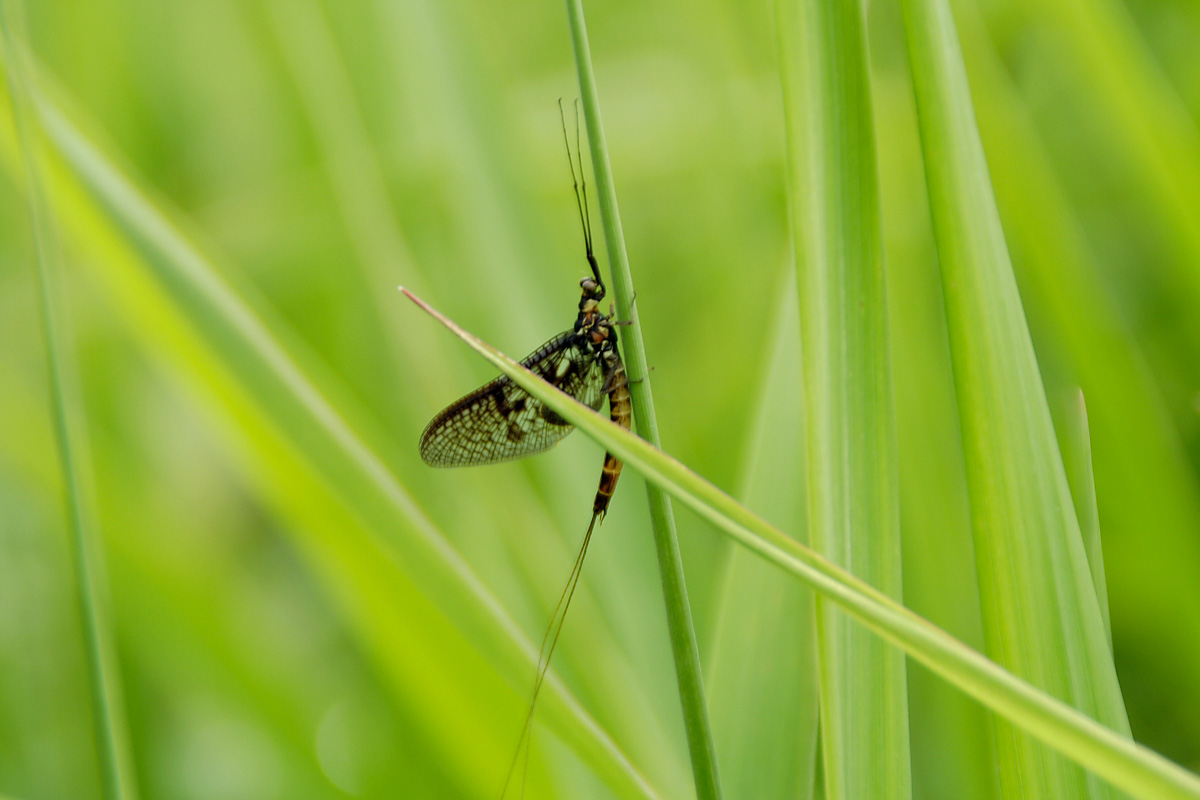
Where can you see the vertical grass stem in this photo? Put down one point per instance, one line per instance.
(662, 520)
(112, 743)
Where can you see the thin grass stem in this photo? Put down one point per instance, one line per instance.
(666, 542)
(104, 684)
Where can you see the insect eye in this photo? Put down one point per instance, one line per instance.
(592, 287)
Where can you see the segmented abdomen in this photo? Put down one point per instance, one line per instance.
(620, 412)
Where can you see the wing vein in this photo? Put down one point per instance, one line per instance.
(500, 421)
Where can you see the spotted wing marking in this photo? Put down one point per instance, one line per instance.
(500, 421)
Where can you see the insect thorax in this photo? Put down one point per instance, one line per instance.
(592, 326)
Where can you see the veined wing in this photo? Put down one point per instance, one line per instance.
(501, 421)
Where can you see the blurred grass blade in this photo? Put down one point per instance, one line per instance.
(1139, 106)
(764, 753)
(356, 174)
(1076, 443)
(1109, 754)
(1029, 553)
(70, 434)
(662, 520)
(853, 495)
(395, 554)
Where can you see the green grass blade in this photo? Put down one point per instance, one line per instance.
(1107, 753)
(662, 520)
(1075, 439)
(1141, 472)
(1028, 548)
(104, 681)
(854, 515)
(764, 753)
(356, 175)
(299, 439)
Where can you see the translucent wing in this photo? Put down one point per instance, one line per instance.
(501, 421)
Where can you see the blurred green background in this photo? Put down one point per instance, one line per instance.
(275, 645)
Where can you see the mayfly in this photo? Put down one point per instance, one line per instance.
(500, 421)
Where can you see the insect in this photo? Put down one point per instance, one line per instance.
(500, 421)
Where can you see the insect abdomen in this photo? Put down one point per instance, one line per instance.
(620, 412)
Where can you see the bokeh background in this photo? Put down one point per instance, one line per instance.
(276, 644)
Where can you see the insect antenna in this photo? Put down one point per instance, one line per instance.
(580, 186)
(555, 627)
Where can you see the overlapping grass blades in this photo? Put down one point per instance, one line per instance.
(1041, 616)
(1143, 476)
(765, 753)
(416, 606)
(700, 168)
(666, 541)
(1110, 755)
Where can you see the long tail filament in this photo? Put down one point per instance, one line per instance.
(544, 654)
